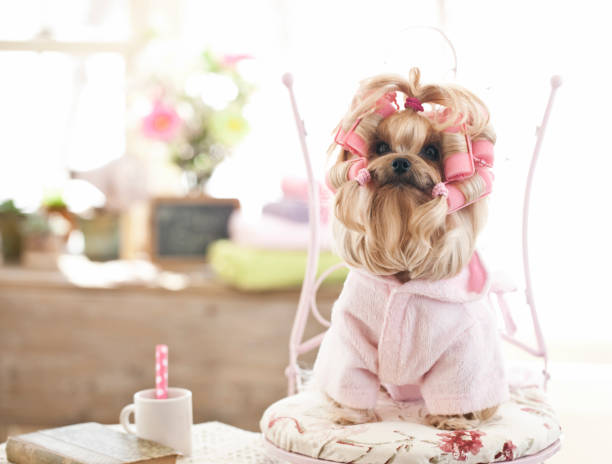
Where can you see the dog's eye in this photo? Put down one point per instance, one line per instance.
(382, 148)
(430, 152)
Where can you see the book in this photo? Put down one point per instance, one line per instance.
(87, 443)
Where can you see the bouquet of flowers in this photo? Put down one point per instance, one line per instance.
(199, 118)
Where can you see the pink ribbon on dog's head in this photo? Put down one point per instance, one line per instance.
(363, 177)
(439, 190)
(358, 171)
(414, 103)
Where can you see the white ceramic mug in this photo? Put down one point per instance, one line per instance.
(166, 421)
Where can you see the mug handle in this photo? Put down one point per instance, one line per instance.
(124, 418)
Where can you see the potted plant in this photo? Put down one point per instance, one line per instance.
(42, 246)
(11, 219)
(61, 220)
(100, 234)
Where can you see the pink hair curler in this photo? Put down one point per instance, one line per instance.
(387, 104)
(356, 166)
(354, 143)
(461, 165)
(458, 166)
(349, 140)
(455, 198)
(354, 172)
(482, 151)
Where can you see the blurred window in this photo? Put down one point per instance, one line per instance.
(62, 91)
(64, 20)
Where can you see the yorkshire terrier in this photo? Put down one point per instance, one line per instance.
(410, 181)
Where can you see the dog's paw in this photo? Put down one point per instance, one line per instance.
(343, 415)
(454, 422)
(349, 416)
(460, 421)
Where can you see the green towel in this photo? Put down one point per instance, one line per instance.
(249, 268)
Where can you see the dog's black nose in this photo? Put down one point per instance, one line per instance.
(400, 165)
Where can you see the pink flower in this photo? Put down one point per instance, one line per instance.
(461, 442)
(229, 61)
(507, 452)
(162, 123)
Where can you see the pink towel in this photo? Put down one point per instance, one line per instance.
(297, 189)
(432, 339)
(273, 233)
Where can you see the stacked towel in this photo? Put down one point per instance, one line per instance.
(271, 252)
(294, 204)
(253, 269)
(270, 232)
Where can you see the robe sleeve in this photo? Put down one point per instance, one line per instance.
(347, 362)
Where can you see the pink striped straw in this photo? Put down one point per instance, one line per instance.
(161, 372)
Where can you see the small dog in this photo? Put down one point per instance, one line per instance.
(412, 317)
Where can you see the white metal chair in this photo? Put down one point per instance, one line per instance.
(296, 433)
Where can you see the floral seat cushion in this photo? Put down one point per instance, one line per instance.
(523, 426)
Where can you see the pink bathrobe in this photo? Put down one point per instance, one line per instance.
(432, 339)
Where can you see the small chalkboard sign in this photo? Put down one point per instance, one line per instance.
(182, 228)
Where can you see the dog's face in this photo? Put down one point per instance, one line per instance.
(392, 225)
(405, 155)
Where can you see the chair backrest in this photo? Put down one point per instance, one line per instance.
(307, 302)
